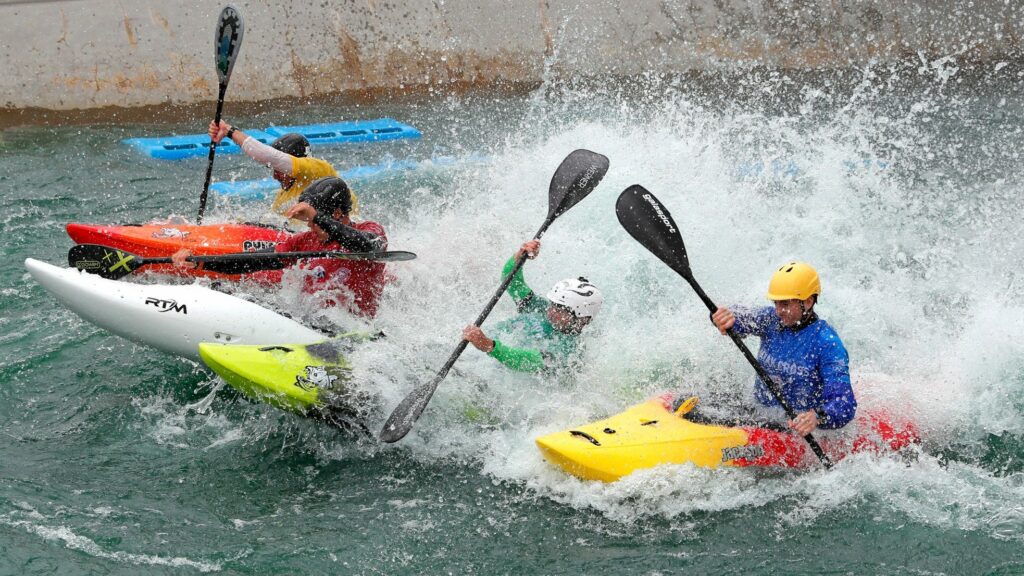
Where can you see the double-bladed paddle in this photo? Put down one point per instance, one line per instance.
(226, 43)
(575, 177)
(112, 263)
(650, 224)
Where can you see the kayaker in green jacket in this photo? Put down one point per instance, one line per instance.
(546, 330)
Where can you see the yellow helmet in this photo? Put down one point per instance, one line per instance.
(794, 281)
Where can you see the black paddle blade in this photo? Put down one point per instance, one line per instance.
(402, 418)
(650, 224)
(107, 262)
(394, 256)
(576, 176)
(227, 41)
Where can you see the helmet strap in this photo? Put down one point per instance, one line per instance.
(807, 317)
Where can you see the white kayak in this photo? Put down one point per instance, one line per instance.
(170, 318)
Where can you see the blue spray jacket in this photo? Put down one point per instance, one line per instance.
(809, 364)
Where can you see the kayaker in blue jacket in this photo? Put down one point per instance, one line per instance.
(801, 352)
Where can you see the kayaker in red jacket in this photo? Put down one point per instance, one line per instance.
(325, 205)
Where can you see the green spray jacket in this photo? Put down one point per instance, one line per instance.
(538, 345)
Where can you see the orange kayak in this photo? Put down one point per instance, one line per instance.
(163, 239)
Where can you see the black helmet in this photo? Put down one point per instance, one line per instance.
(292, 143)
(327, 195)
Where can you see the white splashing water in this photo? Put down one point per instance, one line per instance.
(928, 308)
(35, 523)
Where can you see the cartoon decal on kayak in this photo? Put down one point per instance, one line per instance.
(318, 377)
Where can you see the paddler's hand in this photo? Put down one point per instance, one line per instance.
(218, 131)
(301, 211)
(723, 319)
(179, 259)
(531, 248)
(475, 336)
(804, 423)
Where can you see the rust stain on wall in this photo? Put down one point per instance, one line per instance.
(350, 56)
(302, 75)
(545, 28)
(161, 21)
(401, 69)
(129, 31)
(63, 29)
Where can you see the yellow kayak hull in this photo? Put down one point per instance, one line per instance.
(295, 378)
(643, 436)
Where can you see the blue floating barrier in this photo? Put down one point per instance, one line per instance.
(344, 132)
(775, 168)
(188, 146)
(246, 189)
(779, 168)
(866, 164)
(265, 188)
(179, 147)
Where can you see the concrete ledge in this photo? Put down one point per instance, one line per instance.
(83, 54)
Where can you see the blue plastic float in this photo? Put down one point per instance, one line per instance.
(179, 147)
(788, 169)
(263, 189)
(345, 132)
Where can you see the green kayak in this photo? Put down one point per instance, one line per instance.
(309, 379)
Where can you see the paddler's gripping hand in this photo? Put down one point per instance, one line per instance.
(218, 131)
(179, 259)
(531, 248)
(301, 211)
(723, 319)
(475, 336)
(804, 423)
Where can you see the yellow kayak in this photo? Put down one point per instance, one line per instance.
(303, 379)
(651, 434)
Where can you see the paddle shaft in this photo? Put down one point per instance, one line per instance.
(575, 178)
(490, 306)
(402, 418)
(772, 386)
(213, 152)
(256, 256)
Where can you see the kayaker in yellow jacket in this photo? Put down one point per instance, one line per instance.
(288, 157)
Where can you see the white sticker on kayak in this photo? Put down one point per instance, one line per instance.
(750, 452)
(257, 245)
(166, 305)
(170, 233)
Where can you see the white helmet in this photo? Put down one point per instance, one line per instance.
(578, 295)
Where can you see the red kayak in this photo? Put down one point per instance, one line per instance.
(163, 239)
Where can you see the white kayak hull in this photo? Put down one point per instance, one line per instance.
(170, 318)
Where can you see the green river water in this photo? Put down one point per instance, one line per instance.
(901, 184)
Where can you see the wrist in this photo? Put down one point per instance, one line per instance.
(230, 133)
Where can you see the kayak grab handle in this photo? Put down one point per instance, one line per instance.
(589, 438)
(281, 348)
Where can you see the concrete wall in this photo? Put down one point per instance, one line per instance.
(80, 54)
